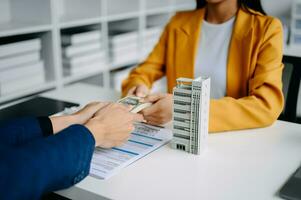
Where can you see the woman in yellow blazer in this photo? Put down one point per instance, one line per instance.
(253, 96)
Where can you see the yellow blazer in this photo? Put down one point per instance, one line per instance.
(254, 71)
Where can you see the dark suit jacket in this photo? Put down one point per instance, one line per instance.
(34, 162)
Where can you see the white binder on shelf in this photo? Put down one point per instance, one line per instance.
(125, 58)
(96, 66)
(118, 76)
(20, 47)
(84, 59)
(81, 49)
(22, 84)
(124, 49)
(80, 37)
(119, 38)
(153, 32)
(20, 72)
(19, 60)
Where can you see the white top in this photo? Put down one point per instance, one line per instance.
(231, 167)
(212, 55)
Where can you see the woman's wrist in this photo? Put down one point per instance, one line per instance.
(61, 122)
(95, 127)
(77, 119)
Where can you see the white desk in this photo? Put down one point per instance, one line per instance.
(250, 164)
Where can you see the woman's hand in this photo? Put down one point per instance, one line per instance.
(112, 125)
(161, 110)
(87, 112)
(81, 117)
(139, 91)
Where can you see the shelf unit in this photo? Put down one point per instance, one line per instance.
(48, 19)
(295, 36)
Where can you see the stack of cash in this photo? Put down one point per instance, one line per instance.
(136, 103)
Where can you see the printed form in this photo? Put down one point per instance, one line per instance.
(144, 139)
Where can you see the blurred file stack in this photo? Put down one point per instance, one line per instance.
(126, 50)
(119, 75)
(83, 52)
(21, 66)
(123, 47)
(151, 38)
(296, 23)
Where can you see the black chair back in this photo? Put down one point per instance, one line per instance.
(292, 93)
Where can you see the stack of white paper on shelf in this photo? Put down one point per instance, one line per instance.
(123, 47)
(150, 39)
(21, 66)
(83, 52)
(118, 76)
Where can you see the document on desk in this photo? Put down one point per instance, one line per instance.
(143, 140)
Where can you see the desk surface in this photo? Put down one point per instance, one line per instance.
(249, 164)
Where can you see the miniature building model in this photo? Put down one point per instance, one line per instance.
(191, 99)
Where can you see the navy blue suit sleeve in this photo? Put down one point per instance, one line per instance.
(19, 131)
(45, 164)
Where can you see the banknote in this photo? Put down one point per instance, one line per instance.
(136, 102)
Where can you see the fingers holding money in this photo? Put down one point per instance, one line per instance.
(161, 110)
(112, 125)
(155, 97)
(87, 112)
(139, 91)
(137, 103)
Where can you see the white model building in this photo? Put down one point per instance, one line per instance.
(191, 98)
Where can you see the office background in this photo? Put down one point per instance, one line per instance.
(91, 41)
